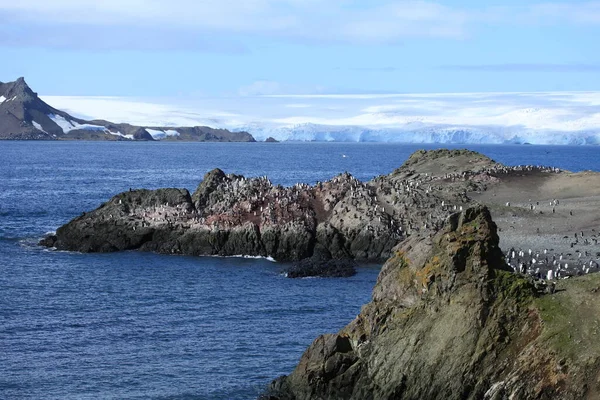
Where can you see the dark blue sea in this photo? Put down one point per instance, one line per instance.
(146, 326)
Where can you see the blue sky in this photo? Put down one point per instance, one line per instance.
(207, 48)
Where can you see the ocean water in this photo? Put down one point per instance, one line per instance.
(146, 326)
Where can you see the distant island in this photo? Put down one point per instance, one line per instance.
(24, 116)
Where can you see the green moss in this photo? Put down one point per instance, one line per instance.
(555, 319)
(512, 286)
(571, 318)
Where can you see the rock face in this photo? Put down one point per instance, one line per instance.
(24, 116)
(232, 215)
(447, 321)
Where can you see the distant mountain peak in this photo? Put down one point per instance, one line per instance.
(17, 90)
(23, 115)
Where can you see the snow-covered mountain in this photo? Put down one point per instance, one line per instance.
(24, 116)
(536, 118)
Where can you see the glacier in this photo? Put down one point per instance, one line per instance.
(565, 118)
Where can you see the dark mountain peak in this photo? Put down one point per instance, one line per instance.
(23, 115)
(17, 90)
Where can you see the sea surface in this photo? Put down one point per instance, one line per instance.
(145, 326)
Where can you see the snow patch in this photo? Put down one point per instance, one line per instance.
(61, 121)
(158, 135)
(67, 125)
(2, 99)
(119, 134)
(38, 126)
(171, 132)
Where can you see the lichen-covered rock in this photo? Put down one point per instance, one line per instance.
(447, 321)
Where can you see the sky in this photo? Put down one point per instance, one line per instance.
(248, 48)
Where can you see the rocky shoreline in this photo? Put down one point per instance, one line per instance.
(452, 317)
(449, 320)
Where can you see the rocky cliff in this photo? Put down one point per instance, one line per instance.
(24, 116)
(448, 320)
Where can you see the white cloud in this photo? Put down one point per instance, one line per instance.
(405, 19)
(526, 67)
(188, 23)
(297, 105)
(575, 12)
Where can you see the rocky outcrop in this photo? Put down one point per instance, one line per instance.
(207, 134)
(447, 321)
(321, 265)
(322, 269)
(24, 116)
(232, 215)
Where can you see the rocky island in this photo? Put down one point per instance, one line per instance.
(545, 215)
(233, 215)
(472, 302)
(24, 116)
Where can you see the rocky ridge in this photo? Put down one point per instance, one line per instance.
(24, 116)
